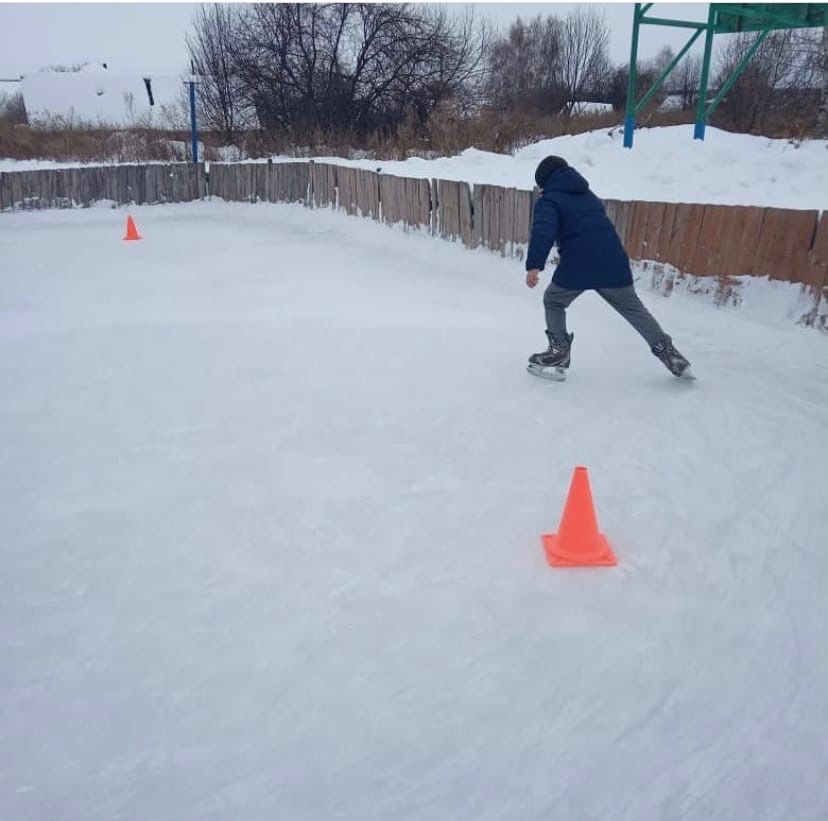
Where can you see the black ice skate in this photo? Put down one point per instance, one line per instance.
(672, 359)
(553, 362)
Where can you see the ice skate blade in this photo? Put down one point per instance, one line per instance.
(553, 374)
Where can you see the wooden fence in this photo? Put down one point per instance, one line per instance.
(122, 184)
(717, 241)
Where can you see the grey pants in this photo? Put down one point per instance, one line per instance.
(625, 300)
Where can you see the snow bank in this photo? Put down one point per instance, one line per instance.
(759, 299)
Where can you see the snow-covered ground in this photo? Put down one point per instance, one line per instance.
(666, 165)
(272, 486)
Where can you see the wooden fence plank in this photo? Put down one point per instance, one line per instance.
(665, 237)
(651, 237)
(637, 230)
(729, 248)
(479, 215)
(495, 213)
(791, 261)
(486, 226)
(324, 185)
(436, 207)
(387, 199)
(346, 190)
(671, 251)
(784, 244)
(688, 236)
(816, 272)
(699, 259)
(507, 222)
(523, 216)
(438, 217)
(622, 216)
(767, 236)
(448, 205)
(724, 240)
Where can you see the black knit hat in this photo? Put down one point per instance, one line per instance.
(548, 165)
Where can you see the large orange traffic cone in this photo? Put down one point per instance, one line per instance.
(578, 542)
(132, 231)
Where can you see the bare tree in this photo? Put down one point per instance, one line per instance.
(64, 69)
(823, 103)
(662, 59)
(618, 82)
(682, 82)
(351, 67)
(781, 82)
(821, 63)
(584, 63)
(687, 80)
(523, 67)
(12, 109)
(211, 52)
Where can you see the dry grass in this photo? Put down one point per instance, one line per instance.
(66, 142)
(445, 134)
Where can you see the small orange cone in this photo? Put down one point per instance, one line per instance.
(132, 231)
(578, 542)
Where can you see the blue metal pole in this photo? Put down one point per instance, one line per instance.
(193, 124)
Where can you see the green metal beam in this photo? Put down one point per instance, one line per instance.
(698, 133)
(684, 24)
(737, 72)
(770, 18)
(664, 74)
(629, 116)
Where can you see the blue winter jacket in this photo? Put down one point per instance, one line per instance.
(591, 253)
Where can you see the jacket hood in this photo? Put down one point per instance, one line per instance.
(567, 180)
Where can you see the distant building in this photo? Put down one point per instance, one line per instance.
(584, 107)
(674, 102)
(97, 96)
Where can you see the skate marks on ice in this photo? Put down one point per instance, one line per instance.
(262, 528)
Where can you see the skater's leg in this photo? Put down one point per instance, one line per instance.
(553, 362)
(627, 303)
(555, 301)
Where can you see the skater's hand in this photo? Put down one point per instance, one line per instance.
(532, 277)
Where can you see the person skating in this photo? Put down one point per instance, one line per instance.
(592, 257)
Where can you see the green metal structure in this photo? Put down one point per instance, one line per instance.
(722, 18)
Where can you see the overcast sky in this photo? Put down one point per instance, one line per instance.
(150, 38)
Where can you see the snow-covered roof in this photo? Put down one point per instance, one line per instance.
(98, 96)
(672, 102)
(582, 107)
